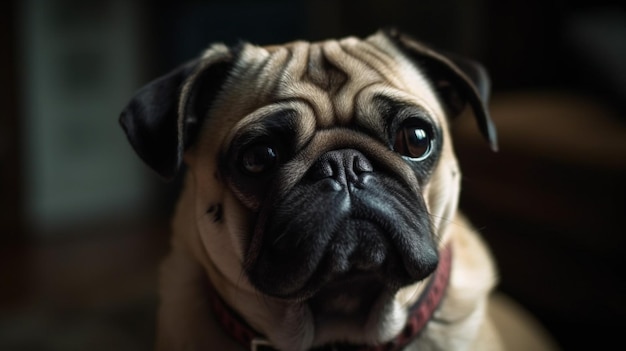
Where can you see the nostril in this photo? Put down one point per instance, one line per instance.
(361, 164)
(344, 167)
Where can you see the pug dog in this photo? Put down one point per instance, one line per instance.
(319, 206)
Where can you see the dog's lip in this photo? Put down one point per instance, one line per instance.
(338, 270)
(293, 257)
(341, 271)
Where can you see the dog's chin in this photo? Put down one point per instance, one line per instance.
(349, 297)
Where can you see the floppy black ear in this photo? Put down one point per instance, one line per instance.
(458, 81)
(163, 117)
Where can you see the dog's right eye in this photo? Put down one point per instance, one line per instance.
(413, 140)
(258, 159)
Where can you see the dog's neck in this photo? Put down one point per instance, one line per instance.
(413, 320)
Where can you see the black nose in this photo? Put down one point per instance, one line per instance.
(340, 168)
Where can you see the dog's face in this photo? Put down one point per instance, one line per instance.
(321, 171)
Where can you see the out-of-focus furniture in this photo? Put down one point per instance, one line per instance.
(552, 205)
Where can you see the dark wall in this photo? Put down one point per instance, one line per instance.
(524, 44)
(10, 192)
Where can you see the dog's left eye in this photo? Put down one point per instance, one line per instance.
(258, 159)
(413, 140)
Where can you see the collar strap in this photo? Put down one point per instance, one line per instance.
(419, 315)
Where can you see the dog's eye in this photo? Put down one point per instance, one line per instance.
(258, 158)
(413, 140)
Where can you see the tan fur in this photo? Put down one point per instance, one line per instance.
(330, 84)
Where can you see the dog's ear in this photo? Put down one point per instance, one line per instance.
(458, 81)
(163, 118)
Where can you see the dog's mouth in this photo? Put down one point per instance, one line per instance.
(344, 245)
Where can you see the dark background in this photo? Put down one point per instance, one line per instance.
(550, 204)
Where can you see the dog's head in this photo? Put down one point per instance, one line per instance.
(318, 169)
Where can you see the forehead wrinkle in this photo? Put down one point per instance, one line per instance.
(296, 66)
(336, 54)
(366, 112)
(359, 75)
(292, 84)
(378, 60)
(315, 69)
(382, 55)
(266, 81)
(351, 48)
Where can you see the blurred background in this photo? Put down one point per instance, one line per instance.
(83, 223)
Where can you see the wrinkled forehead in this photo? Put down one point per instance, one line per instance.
(337, 79)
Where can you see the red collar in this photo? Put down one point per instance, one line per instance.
(419, 315)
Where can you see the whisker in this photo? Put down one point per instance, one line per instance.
(453, 222)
